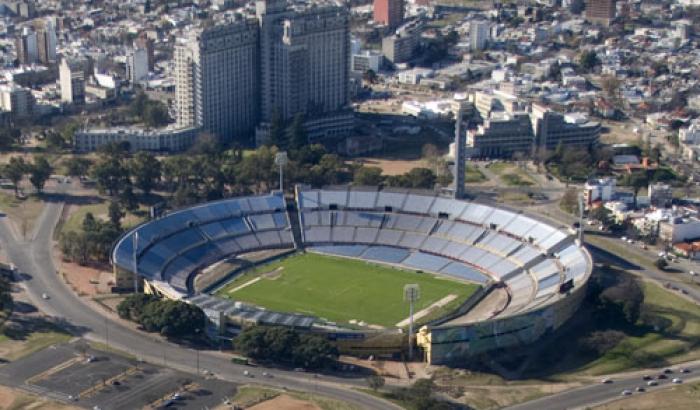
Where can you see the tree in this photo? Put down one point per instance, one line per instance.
(569, 201)
(297, 133)
(39, 173)
(9, 137)
(146, 170)
(285, 345)
(368, 176)
(132, 306)
(115, 214)
(587, 60)
(661, 263)
(637, 180)
(110, 174)
(277, 137)
(77, 167)
(601, 214)
(375, 382)
(14, 170)
(421, 178)
(369, 76)
(156, 114)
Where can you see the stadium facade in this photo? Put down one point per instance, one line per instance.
(533, 275)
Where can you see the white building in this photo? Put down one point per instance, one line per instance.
(367, 60)
(169, 139)
(600, 189)
(72, 80)
(679, 229)
(479, 34)
(17, 100)
(137, 66)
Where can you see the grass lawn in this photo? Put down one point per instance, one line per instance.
(681, 397)
(250, 395)
(500, 167)
(512, 179)
(74, 222)
(23, 212)
(340, 289)
(13, 349)
(474, 175)
(679, 342)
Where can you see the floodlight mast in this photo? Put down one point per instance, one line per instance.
(134, 245)
(281, 160)
(411, 293)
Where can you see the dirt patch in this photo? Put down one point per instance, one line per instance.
(87, 280)
(17, 399)
(285, 402)
(391, 166)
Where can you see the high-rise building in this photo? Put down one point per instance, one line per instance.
(479, 34)
(146, 43)
(137, 66)
(46, 41)
(217, 79)
(17, 100)
(72, 80)
(304, 60)
(26, 47)
(600, 11)
(236, 77)
(388, 12)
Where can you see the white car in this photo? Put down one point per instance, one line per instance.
(693, 273)
(677, 380)
(652, 383)
(44, 296)
(626, 392)
(606, 380)
(246, 373)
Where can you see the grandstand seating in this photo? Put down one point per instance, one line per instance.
(173, 247)
(465, 240)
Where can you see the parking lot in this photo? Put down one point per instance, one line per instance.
(92, 378)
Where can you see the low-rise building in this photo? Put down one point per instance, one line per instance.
(599, 189)
(660, 195)
(168, 139)
(502, 135)
(367, 60)
(679, 229)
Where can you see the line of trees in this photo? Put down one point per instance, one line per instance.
(206, 172)
(287, 346)
(171, 318)
(39, 171)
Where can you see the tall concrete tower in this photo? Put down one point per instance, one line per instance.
(460, 160)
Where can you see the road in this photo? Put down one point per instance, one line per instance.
(589, 396)
(37, 274)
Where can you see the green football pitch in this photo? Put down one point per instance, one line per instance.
(341, 289)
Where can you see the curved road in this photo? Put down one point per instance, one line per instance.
(37, 274)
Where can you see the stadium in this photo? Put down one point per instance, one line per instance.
(335, 261)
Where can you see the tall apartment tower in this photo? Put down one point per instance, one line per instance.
(137, 66)
(217, 79)
(601, 11)
(143, 42)
(46, 41)
(26, 47)
(304, 60)
(388, 12)
(72, 80)
(479, 34)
